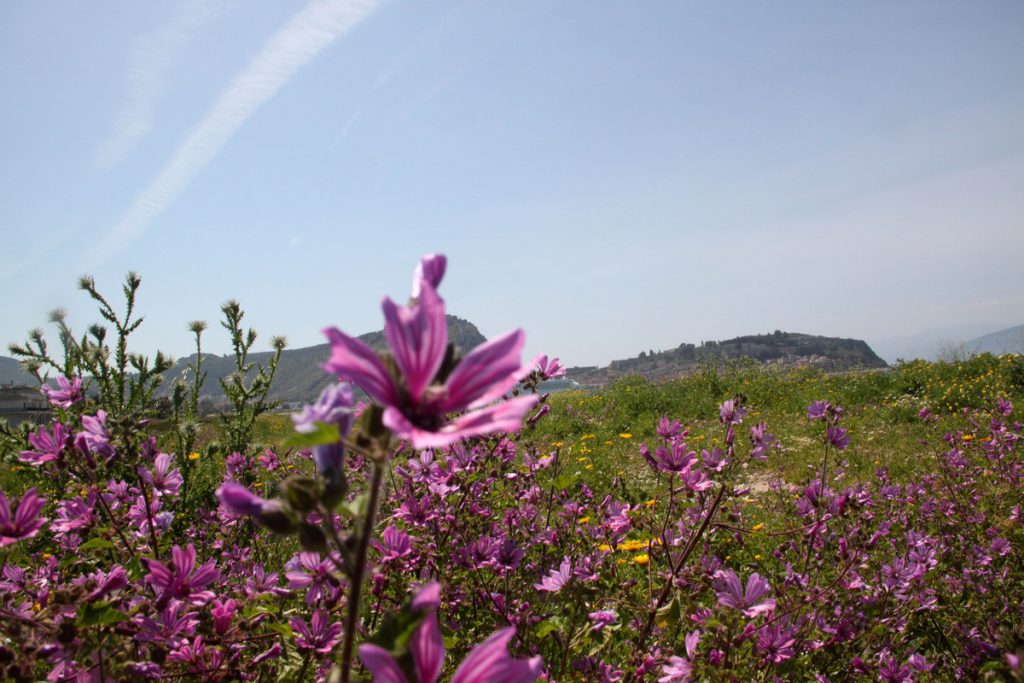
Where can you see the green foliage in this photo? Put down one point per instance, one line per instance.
(248, 397)
(125, 382)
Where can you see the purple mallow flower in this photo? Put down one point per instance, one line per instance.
(334, 406)
(25, 523)
(732, 594)
(163, 477)
(549, 369)
(430, 269)
(556, 578)
(394, 544)
(837, 436)
(488, 662)
(320, 635)
(817, 410)
(49, 445)
(730, 412)
(182, 579)
(602, 618)
(95, 438)
(416, 408)
(69, 393)
(223, 613)
(236, 498)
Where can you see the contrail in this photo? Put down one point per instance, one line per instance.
(151, 61)
(312, 29)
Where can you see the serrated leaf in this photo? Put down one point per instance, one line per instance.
(323, 434)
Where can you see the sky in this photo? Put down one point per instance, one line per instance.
(612, 177)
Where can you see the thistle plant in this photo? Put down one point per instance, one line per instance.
(247, 397)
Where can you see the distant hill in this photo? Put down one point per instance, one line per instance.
(1010, 340)
(12, 373)
(788, 349)
(299, 375)
(929, 344)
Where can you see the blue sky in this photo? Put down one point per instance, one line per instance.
(612, 177)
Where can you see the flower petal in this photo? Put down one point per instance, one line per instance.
(490, 662)
(418, 338)
(486, 373)
(381, 665)
(356, 362)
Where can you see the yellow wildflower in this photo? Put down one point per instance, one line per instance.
(193, 456)
(584, 520)
(642, 558)
(757, 527)
(651, 503)
(625, 435)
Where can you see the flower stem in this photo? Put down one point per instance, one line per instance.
(358, 570)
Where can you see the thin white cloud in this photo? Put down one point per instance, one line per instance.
(308, 32)
(152, 59)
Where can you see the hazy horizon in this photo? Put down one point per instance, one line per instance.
(607, 179)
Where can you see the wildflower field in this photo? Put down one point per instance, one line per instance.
(440, 517)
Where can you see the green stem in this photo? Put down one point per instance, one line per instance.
(358, 570)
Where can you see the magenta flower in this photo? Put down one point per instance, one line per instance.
(95, 438)
(817, 410)
(669, 429)
(394, 544)
(550, 369)
(334, 406)
(416, 408)
(164, 478)
(319, 636)
(678, 670)
(837, 437)
(602, 618)
(732, 594)
(182, 579)
(223, 613)
(430, 269)
(556, 578)
(69, 393)
(26, 521)
(49, 445)
(892, 671)
(488, 662)
(236, 498)
(731, 413)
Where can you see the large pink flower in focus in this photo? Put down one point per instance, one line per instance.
(417, 405)
(488, 662)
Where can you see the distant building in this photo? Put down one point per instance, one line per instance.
(19, 403)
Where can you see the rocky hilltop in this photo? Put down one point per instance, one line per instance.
(789, 349)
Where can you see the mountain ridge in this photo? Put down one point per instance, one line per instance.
(300, 377)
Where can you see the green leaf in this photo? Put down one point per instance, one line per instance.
(549, 626)
(564, 480)
(284, 629)
(323, 434)
(100, 614)
(96, 544)
(397, 629)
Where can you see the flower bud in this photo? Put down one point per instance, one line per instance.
(302, 493)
